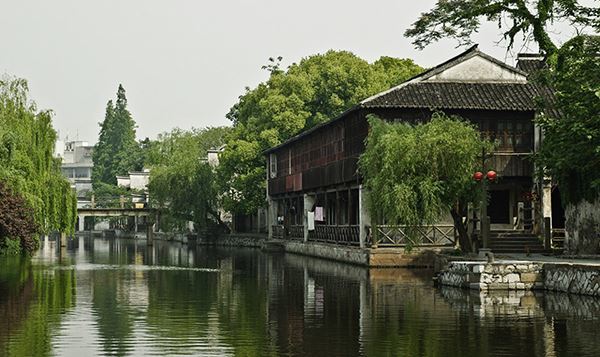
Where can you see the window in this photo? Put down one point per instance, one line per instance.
(273, 165)
(513, 135)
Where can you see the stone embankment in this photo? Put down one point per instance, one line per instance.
(523, 275)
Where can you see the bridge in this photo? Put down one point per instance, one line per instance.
(115, 212)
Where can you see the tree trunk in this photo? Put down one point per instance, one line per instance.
(463, 237)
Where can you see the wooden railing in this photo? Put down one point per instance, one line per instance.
(422, 236)
(296, 232)
(278, 232)
(347, 235)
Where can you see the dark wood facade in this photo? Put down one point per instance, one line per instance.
(328, 155)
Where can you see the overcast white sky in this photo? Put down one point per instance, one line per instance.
(185, 62)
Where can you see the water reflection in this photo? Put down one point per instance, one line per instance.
(122, 297)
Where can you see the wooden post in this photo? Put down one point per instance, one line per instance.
(149, 232)
(364, 220)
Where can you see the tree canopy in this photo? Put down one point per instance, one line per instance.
(570, 152)
(418, 173)
(117, 150)
(28, 169)
(182, 182)
(459, 19)
(310, 92)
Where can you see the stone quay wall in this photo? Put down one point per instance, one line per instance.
(572, 278)
(494, 276)
(250, 240)
(516, 275)
(369, 257)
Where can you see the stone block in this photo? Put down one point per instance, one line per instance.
(530, 277)
(478, 268)
(498, 286)
(511, 278)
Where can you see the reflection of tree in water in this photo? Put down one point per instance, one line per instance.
(16, 293)
(113, 317)
(242, 304)
(179, 303)
(31, 305)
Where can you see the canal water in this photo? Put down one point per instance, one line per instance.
(121, 298)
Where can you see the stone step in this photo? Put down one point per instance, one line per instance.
(515, 240)
(517, 246)
(521, 251)
(507, 235)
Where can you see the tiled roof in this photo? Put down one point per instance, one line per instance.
(457, 95)
(530, 65)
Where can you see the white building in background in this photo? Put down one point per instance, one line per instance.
(212, 155)
(136, 180)
(76, 166)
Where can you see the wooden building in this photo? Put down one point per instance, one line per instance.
(314, 175)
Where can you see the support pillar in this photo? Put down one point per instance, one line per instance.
(135, 224)
(309, 202)
(364, 217)
(546, 201)
(271, 216)
(81, 224)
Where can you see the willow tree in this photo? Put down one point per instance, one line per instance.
(460, 19)
(27, 166)
(416, 174)
(182, 183)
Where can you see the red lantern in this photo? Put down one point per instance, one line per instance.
(478, 176)
(492, 175)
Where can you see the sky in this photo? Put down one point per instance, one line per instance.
(184, 63)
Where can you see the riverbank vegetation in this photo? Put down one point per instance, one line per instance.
(418, 173)
(34, 196)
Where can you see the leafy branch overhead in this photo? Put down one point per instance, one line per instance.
(460, 19)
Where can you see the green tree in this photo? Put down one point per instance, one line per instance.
(570, 152)
(29, 170)
(308, 93)
(117, 150)
(182, 182)
(418, 173)
(459, 19)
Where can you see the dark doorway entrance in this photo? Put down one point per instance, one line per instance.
(558, 212)
(499, 207)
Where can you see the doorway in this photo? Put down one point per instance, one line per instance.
(499, 207)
